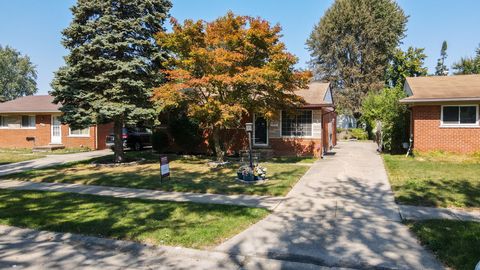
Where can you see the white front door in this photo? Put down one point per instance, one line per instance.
(56, 130)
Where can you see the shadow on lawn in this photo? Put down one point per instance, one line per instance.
(442, 192)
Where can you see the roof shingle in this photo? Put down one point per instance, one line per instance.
(30, 104)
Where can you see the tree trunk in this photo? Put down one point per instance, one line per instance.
(218, 146)
(118, 147)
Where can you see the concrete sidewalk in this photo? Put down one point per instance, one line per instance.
(35, 250)
(244, 200)
(50, 160)
(341, 214)
(410, 212)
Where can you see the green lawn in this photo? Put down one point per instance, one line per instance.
(17, 155)
(439, 180)
(155, 222)
(456, 243)
(187, 175)
(23, 154)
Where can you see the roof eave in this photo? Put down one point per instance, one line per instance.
(429, 100)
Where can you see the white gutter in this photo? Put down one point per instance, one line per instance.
(418, 100)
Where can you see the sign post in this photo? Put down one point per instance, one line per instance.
(249, 129)
(164, 168)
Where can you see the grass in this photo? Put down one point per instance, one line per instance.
(438, 180)
(8, 156)
(154, 222)
(456, 243)
(187, 175)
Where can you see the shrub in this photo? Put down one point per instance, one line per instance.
(385, 107)
(160, 141)
(186, 133)
(359, 134)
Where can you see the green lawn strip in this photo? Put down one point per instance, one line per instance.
(8, 156)
(187, 175)
(429, 182)
(455, 243)
(155, 222)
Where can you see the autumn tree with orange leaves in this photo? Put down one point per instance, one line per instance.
(226, 69)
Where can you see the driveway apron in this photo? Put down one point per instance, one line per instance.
(341, 214)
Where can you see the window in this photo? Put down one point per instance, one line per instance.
(459, 115)
(28, 121)
(298, 124)
(84, 132)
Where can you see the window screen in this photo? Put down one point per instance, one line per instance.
(80, 132)
(297, 124)
(28, 121)
(459, 115)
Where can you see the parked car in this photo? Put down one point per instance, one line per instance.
(135, 138)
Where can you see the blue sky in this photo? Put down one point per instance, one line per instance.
(33, 27)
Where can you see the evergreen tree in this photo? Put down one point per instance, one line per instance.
(352, 45)
(112, 65)
(441, 69)
(17, 75)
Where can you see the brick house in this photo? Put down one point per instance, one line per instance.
(444, 112)
(306, 131)
(33, 122)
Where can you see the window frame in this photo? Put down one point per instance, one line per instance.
(29, 116)
(457, 125)
(295, 136)
(79, 135)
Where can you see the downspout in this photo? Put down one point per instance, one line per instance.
(410, 146)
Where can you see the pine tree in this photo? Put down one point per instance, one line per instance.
(441, 69)
(113, 64)
(468, 65)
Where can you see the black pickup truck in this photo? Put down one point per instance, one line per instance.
(135, 138)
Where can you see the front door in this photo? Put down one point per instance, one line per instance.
(260, 133)
(56, 130)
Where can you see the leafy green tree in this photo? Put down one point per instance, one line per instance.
(384, 106)
(113, 64)
(352, 45)
(441, 69)
(468, 65)
(225, 69)
(17, 75)
(405, 64)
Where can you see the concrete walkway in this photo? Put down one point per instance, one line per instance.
(244, 200)
(341, 214)
(409, 212)
(50, 160)
(35, 250)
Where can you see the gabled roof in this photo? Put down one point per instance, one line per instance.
(442, 88)
(317, 94)
(30, 104)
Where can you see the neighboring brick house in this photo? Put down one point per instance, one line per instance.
(444, 112)
(33, 121)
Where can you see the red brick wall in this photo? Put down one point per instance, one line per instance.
(103, 131)
(429, 136)
(296, 146)
(16, 138)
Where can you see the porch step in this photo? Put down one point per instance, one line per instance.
(48, 148)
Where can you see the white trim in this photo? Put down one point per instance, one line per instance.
(253, 133)
(293, 136)
(79, 135)
(415, 100)
(459, 125)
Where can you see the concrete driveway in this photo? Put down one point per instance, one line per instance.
(341, 214)
(50, 160)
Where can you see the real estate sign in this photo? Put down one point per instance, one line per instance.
(164, 167)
